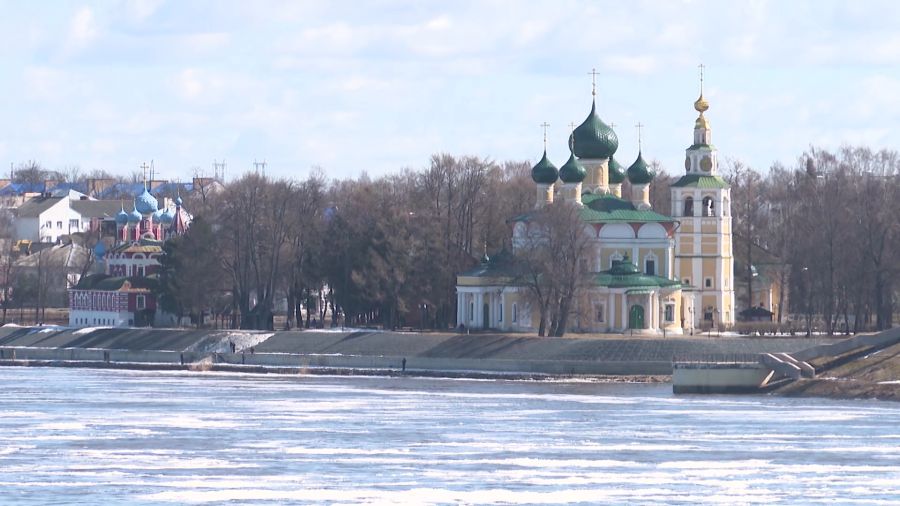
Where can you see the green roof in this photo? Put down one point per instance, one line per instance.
(609, 209)
(625, 274)
(639, 172)
(106, 282)
(501, 265)
(593, 138)
(695, 147)
(544, 172)
(572, 171)
(615, 171)
(700, 181)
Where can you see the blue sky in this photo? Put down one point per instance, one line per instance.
(377, 86)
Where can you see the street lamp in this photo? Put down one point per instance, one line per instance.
(716, 321)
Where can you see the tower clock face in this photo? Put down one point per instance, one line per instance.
(687, 163)
(706, 164)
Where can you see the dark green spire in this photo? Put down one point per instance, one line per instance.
(616, 172)
(593, 138)
(639, 172)
(544, 172)
(572, 171)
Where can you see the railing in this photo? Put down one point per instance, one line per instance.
(717, 358)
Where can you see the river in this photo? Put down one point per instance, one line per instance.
(86, 436)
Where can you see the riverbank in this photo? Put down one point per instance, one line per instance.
(482, 355)
(862, 375)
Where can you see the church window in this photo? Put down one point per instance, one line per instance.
(615, 257)
(515, 313)
(650, 267)
(670, 313)
(708, 283)
(140, 302)
(689, 206)
(708, 206)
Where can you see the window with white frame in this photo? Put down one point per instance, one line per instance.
(74, 224)
(140, 302)
(669, 313)
(708, 283)
(600, 312)
(650, 264)
(615, 257)
(59, 224)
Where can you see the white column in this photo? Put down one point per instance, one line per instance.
(460, 300)
(478, 313)
(624, 312)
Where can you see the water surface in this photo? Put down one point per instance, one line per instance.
(84, 436)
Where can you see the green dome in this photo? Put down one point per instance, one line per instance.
(616, 172)
(572, 171)
(593, 138)
(639, 172)
(544, 172)
(623, 267)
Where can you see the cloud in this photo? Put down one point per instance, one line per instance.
(83, 28)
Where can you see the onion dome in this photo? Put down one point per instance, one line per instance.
(122, 217)
(616, 172)
(639, 172)
(178, 200)
(572, 171)
(158, 215)
(593, 138)
(145, 203)
(134, 216)
(544, 172)
(623, 267)
(167, 217)
(99, 249)
(701, 106)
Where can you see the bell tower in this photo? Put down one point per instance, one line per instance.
(701, 201)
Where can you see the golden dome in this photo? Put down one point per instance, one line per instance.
(701, 105)
(701, 122)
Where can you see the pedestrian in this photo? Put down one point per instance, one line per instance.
(233, 347)
(403, 364)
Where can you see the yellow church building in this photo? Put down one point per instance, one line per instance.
(649, 272)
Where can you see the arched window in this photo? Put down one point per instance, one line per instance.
(688, 206)
(709, 206)
(614, 257)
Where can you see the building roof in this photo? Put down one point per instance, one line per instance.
(593, 138)
(33, 207)
(610, 209)
(70, 256)
(105, 282)
(625, 274)
(544, 172)
(142, 246)
(700, 181)
(501, 265)
(100, 208)
(639, 172)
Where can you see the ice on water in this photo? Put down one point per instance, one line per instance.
(134, 437)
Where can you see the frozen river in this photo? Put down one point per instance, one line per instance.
(83, 436)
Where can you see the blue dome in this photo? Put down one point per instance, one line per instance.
(146, 203)
(157, 216)
(167, 217)
(99, 249)
(122, 217)
(178, 200)
(134, 216)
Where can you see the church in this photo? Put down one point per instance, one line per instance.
(651, 271)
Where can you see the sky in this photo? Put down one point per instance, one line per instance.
(377, 86)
